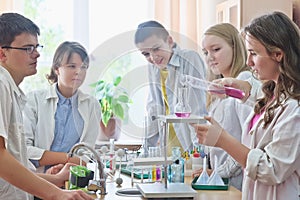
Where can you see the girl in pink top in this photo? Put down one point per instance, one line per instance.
(271, 159)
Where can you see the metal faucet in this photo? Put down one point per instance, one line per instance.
(94, 185)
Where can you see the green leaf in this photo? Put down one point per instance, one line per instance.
(117, 80)
(109, 99)
(118, 110)
(105, 117)
(99, 86)
(123, 98)
(96, 83)
(109, 87)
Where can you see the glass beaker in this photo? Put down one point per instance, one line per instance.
(182, 108)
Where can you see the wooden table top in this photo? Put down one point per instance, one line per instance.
(111, 188)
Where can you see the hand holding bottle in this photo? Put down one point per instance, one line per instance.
(216, 88)
(238, 85)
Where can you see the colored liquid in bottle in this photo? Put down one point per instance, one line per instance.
(154, 173)
(158, 174)
(232, 92)
(182, 114)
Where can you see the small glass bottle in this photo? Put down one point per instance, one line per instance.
(176, 169)
(182, 108)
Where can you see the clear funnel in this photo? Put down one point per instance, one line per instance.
(215, 178)
(203, 178)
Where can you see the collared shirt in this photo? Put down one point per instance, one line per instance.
(40, 127)
(182, 62)
(68, 123)
(12, 101)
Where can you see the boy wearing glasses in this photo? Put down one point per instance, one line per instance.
(166, 63)
(18, 59)
(72, 116)
(29, 49)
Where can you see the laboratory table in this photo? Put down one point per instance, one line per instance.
(111, 187)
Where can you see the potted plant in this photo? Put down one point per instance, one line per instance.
(114, 103)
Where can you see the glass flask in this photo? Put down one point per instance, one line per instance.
(182, 108)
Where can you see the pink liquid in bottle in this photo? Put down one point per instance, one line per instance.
(183, 114)
(232, 92)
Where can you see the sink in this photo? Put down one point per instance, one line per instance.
(129, 192)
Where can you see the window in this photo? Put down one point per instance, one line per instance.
(106, 29)
(229, 11)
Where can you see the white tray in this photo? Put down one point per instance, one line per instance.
(175, 119)
(151, 161)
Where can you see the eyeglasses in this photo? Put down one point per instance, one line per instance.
(28, 49)
(72, 67)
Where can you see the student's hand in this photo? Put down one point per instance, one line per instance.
(197, 172)
(217, 90)
(208, 134)
(236, 83)
(73, 195)
(63, 174)
(55, 169)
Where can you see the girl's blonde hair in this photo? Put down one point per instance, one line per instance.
(232, 36)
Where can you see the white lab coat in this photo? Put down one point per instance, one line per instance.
(231, 115)
(273, 164)
(39, 120)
